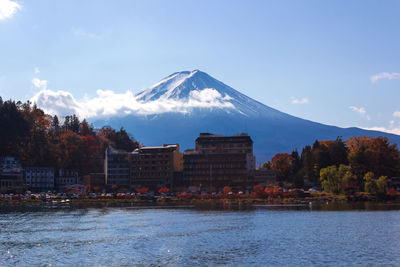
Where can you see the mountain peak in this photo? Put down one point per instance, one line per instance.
(176, 86)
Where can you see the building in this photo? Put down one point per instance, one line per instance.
(11, 176)
(394, 183)
(96, 181)
(64, 179)
(263, 177)
(116, 168)
(155, 167)
(39, 179)
(218, 161)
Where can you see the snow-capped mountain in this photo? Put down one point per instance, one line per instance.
(189, 86)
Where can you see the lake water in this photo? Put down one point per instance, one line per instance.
(185, 236)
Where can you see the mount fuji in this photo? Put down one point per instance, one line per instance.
(184, 104)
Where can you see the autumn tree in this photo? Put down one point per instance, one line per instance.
(370, 183)
(227, 189)
(283, 164)
(377, 155)
(120, 139)
(336, 179)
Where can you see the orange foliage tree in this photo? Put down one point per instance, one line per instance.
(282, 164)
(377, 155)
(227, 189)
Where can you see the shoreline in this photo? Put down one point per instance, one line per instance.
(327, 204)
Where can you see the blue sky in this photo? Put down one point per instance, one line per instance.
(334, 62)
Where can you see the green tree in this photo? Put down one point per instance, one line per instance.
(337, 151)
(307, 164)
(381, 183)
(370, 183)
(334, 179)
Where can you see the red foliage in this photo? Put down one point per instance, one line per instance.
(142, 190)
(282, 163)
(227, 189)
(391, 192)
(259, 190)
(163, 190)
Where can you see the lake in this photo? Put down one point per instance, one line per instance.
(187, 235)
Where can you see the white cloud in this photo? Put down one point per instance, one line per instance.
(108, 103)
(36, 70)
(396, 114)
(385, 75)
(383, 129)
(361, 111)
(42, 84)
(57, 102)
(82, 33)
(8, 8)
(304, 100)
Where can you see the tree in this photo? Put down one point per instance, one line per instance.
(55, 125)
(227, 189)
(370, 183)
(296, 161)
(282, 164)
(307, 163)
(86, 129)
(13, 127)
(377, 155)
(120, 140)
(320, 157)
(266, 165)
(337, 151)
(381, 183)
(335, 179)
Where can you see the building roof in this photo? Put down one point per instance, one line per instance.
(214, 138)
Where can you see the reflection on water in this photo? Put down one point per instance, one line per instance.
(207, 235)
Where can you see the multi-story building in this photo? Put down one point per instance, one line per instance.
(263, 176)
(65, 178)
(11, 176)
(116, 168)
(39, 179)
(155, 167)
(218, 161)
